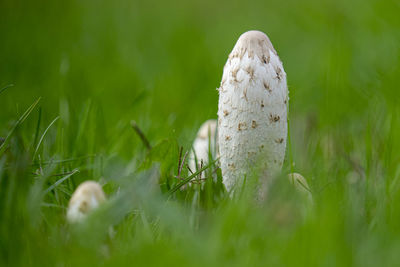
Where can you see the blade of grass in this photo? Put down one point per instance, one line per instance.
(83, 122)
(65, 160)
(289, 142)
(53, 186)
(37, 127)
(19, 122)
(140, 133)
(186, 180)
(5, 88)
(42, 137)
(51, 205)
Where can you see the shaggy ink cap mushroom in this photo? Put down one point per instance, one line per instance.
(206, 139)
(252, 111)
(87, 197)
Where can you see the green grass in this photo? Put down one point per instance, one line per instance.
(73, 75)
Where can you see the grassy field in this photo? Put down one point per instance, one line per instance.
(75, 73)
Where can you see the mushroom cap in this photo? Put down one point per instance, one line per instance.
(254, 43)
(87, 197)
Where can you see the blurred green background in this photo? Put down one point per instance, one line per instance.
(99, 64)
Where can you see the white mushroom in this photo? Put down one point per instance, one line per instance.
(206, 139)
(87, 197)
(252, 115)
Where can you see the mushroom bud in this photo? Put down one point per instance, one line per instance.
(87, 197)
(252, 115)
(204, 144)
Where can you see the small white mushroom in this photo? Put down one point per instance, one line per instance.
(252, 115)
(301, 185)
(206, 139)
(87, 197)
